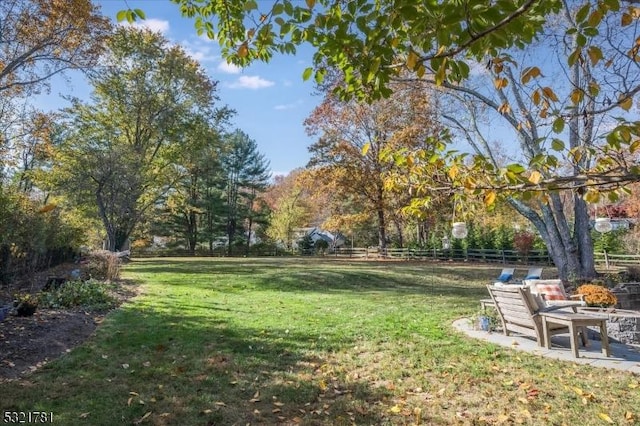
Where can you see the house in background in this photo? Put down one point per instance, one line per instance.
(334, 240)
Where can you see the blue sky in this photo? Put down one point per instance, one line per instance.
(271, 100)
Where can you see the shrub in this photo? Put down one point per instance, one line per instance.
(90, 294)
(597, 295)
(25, 304)
(321, 246)
(523, 242)
(103, 265)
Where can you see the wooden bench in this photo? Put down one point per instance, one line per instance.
(519, 313)
(486, 302)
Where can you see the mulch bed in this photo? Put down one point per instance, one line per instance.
(28, 343)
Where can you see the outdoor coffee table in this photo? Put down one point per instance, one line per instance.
(575, 322)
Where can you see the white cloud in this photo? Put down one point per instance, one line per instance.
(152, 24)
(198, 50)
(253, 82)
(228, 68)
(292, 105)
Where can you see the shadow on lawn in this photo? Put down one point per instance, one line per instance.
(208, 371)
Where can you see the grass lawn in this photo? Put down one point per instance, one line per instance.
(307, 341)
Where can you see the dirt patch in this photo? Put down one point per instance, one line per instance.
(28, 343)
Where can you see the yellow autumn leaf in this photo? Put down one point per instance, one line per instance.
(412, 60)
(550, 94)
(535, 177)
(243, 50)
(595, 54)
(626, 20)
(453, 171)
(629, 416)
(536, 97)
(577, 96)
(323, 385)
(500, 83)
(395, 409)
(578, 391)
(366, 148)
(505, 108)
(490, 198)
(606, 418)
(626, 103)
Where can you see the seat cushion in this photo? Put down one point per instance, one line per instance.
(551, 291)
(505, 277)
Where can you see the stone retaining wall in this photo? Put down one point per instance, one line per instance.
(628, 295)
(624, 329)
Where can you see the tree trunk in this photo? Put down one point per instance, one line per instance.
(192, 232)
(400, 232)
(250, 225)
(574, 261)
(382, 226)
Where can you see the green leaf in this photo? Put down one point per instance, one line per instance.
(250, 5)
(140, 13)
(557, 145)
(307, 73)
(516, 168)
(558, 125)
(121, 15)
(583, 13)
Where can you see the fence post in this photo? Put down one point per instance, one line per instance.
(606, 260)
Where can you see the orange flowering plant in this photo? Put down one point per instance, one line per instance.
(597, 295)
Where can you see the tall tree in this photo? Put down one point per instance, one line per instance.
(197, 166)
(39, 39)
(289, 201)
(119, 148)
(349, 156)
(558, 115)
(247, 173)
(42, 38)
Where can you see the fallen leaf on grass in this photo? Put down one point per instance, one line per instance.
(395, 409)
(220, 404)
(141, 419)
(605, 417)
(629, 416)
(84, 415)
(533, 393)
(125, 366)
(207, 411)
